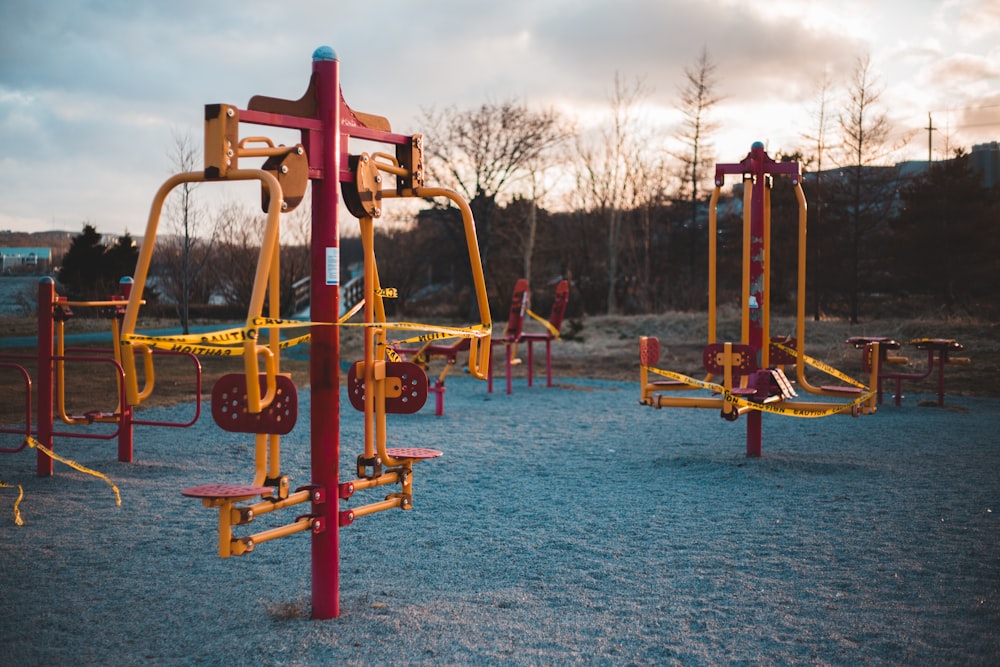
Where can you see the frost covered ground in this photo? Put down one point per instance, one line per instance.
(563, 525)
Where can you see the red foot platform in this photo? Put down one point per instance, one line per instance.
(226, 491)
(412, 453)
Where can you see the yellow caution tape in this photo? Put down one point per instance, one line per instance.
(711, 386)
(819, 365)
(234, 336)
(545, 323)
(230, 342)
(785, 409)
(18, 521)
(76, 466)
(209, 350)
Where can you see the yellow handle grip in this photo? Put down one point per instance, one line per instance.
(255, 402)
(479, 356)
(132, 393)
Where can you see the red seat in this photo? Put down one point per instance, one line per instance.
(512, 332)
(551, 332)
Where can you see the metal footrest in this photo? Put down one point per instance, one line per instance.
(417, 453)
(229, 406)
(227, 491)
(406, 388)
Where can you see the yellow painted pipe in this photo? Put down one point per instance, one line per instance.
(293, 499)
(689, 402)
(268, 250)
(380, 506)
(299, 526)
(363, 483)
(479, 348)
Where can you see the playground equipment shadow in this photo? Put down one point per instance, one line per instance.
(563, 525)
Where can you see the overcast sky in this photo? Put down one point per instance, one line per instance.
(92, 93)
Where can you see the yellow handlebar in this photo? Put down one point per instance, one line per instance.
(479, 348)
(256, 402)
(147, 370)
(266, 273)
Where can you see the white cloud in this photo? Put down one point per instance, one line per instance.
(100, 87)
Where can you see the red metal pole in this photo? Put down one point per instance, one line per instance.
(758, 158)
(126, 428)
(46, 329)
(324, 355)
(942, 357)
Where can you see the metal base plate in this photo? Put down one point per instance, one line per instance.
(412, 453)
(226, 491)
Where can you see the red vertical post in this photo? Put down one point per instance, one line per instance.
(758, 158)
(324, 354)
(126, 429)
(942, 358)
(43, 375)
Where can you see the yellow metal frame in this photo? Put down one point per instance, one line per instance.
(222, 152)
(376, 347)
(223, 149)
(650, 391)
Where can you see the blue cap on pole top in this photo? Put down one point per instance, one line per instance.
(324, 53)
(759, 145)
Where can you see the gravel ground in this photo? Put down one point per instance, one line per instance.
(564, 525)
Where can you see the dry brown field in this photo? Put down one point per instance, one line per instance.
(599, 347)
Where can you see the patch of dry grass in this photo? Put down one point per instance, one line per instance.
(604, 347)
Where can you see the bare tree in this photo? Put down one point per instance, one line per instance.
(481, 152)
(239, 230)
(186, 252)
(604, 177)
(296, 235)
(865, 145)
(540, 182)
(651, 176)
(697, 98)
(819, 139)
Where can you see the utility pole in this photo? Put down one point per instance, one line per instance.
(930, 134)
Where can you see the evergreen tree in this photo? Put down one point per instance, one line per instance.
(945, 243)
(81, 266)
(91, 270)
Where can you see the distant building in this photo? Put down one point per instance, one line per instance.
(25, 260)
(985, 158)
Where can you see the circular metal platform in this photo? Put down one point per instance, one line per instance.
(412, 453)
(226, 491)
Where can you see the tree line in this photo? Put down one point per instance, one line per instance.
(621, 210)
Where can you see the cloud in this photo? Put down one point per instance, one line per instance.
(961, 67)
(103, 85)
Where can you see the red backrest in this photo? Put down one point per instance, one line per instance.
(744, 359)
(559, 305)
(518, 307)
(649, 350)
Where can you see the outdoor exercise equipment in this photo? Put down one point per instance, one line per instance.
(262, 400)
(431, 350)
(552, 327)
(940, 349)
(753, 381)
(512, 332)
(51, 359)
(512, 335)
